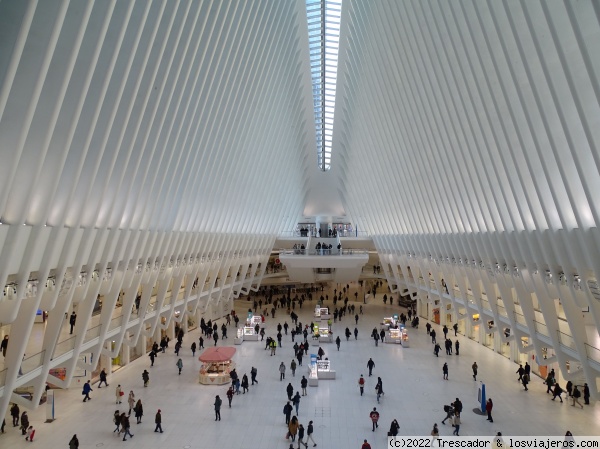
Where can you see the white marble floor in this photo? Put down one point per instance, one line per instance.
(412, 377)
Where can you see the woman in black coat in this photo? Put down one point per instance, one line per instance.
(394, 427)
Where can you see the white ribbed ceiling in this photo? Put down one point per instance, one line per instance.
(469, 116)
(170, 115)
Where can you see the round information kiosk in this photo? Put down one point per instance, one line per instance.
(216, 365)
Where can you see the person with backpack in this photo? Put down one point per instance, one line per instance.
(374, 415)
(558, 391)
(361, 384)
(449, 413)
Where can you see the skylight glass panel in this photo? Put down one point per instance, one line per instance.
(323, 39)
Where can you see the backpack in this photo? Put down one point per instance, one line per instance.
(446, 408)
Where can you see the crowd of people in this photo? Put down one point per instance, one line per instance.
(300, 433)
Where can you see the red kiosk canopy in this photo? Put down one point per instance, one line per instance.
(217, 354)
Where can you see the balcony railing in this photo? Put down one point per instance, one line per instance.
(322, 252)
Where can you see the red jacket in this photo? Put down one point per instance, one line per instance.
(374, 416)
(488, 406)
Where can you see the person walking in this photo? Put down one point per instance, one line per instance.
(293, 368)
(309, 434)
(130, 401)
(356, 333)
(281, 371)
(293, 428)
(432, 333)
(287, 411)
(435, 433)
(488, 408)
(30, 434)
(296, 402)
(558, 391)
(525, 381)
(374, 415)
(179, 365)
(158, 422)
(87, 389)
(456, 346)
(118, 393)
(193, 348)
(152, 356)
(361, 384)
(24, 422)
(445, 371)
(14, 412)
(338, 342)
(370, 366)
(474, 368)
(74, 442)
(102, 378)
(394, 428)
(456, 424)
(229, 395)
(125, 426)
(576, 396)
(253, 373)
(139, 411)
(4, 345)
(520, 371)
(290, 391)
(72, 320)
(301, 436)
(365, 445)
(146, 377)
(245, 383)
(117, 421)
(586, 394)
(303, 385)
(379, 388)
(217, 405)
(449, 410)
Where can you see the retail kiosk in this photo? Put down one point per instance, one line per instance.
(324, 335)
(322, 313)
(324, 370)
(250, 334)
(217, 363)
(394, 336)
(389, 322)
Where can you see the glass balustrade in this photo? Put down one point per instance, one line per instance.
(566, 340)
(592, 353)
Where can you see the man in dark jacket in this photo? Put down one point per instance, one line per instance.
(287, 411)
(158, 422)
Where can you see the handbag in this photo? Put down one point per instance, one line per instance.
(121, 393)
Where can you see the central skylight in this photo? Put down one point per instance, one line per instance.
(323, 40)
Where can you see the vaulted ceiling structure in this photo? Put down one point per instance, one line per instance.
(169, 143)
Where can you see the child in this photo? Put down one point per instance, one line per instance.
(30, 434)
